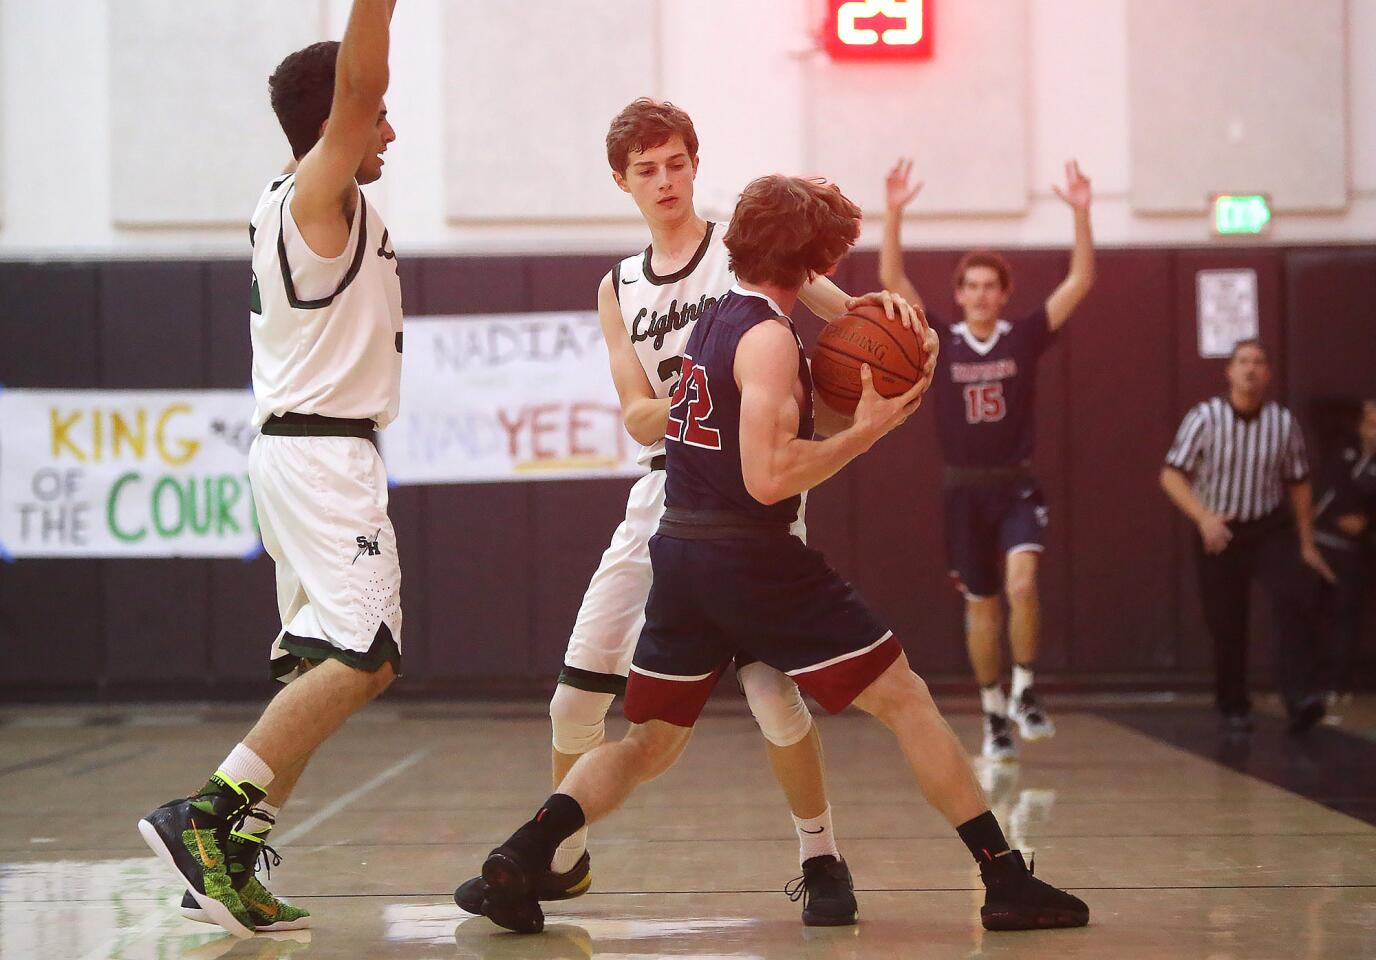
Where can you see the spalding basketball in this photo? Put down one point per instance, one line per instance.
(865, 335)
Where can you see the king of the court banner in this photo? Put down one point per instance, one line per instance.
(519, 396)
(126, 473)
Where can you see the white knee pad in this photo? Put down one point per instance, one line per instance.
(776, 703)
(578, 719)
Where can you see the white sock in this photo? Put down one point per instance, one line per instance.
(1022, 679)
(816, 837)
(570, 851)
(991, 700)
(243, 764)
(260, 820)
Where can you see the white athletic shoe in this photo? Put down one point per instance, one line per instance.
(1031, 718)
(998, 740)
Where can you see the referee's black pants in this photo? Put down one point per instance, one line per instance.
(1268, 551)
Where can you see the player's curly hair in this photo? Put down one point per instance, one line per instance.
(787, 230)
(984, 258)
(644, 124)
(302, 91)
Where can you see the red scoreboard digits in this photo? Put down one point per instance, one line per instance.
(878, 29)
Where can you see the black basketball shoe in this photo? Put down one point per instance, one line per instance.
(1016, 900)
(827, 892)
(511, 880)
(550, 886)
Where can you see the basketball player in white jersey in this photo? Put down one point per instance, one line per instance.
(647, 305)
(326, 330)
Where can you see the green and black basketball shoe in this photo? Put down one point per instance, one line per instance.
(191, 837)
(243, 854)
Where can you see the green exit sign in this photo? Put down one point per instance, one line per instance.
(1241, 213)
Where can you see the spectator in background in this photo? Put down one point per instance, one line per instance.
(1343, 525)
(1234, 460)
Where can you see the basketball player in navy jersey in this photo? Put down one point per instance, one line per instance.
(985, 393)
(648, 304)
(730, 578)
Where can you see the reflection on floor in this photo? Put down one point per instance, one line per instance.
(1185, 844)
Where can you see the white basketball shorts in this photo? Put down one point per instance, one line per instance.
(322, 511)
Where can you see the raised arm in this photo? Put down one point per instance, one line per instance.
(898, 193)
(645, 415)
(1065, 298)
(775, 462)
(325, 196)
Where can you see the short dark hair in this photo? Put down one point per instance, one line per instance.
(302, 91)
(984, 258)
(646, 123)
(786, 230)
(1249, 342)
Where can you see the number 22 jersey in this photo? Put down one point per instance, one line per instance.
(703, 439)
(986, 391)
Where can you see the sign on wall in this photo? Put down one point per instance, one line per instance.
(507, 397)
(1227, 310)
(126, 473)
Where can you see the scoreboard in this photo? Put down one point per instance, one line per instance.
(879, 30)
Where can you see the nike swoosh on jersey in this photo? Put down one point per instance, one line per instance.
(624, 282)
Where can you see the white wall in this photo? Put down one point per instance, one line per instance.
(1016, 87)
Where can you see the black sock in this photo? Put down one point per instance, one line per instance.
(983, 837)
(560, 818)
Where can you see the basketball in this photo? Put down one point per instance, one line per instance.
(865, 335)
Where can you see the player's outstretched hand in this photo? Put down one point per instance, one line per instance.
(1076, 192)
(876, 415)
(898, 192)
(895, 307)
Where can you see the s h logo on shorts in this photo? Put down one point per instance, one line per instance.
(367, 546)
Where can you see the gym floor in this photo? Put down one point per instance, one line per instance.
(1184, 842)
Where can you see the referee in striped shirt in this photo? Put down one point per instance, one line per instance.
(1235, 460)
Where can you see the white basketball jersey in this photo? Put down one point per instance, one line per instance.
(659, 312)
(326, 332)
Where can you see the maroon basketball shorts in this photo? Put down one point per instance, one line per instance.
(773, 599)
(986, 524)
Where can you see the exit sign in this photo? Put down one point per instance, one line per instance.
(1236, 214)
(881, 30)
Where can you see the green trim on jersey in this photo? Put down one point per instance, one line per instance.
(354, 265)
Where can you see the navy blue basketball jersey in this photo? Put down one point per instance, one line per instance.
(986, 391)
(702, 441)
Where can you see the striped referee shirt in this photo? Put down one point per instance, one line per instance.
(1239, 465)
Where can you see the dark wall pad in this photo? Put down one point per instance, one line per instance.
(493, 573)
(50, 610)
(1121, 549)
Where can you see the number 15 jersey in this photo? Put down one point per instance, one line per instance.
(986, 391)
(660, 311)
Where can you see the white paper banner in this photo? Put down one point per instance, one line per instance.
(1227, 301)
(126, 473)
(517, 396)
